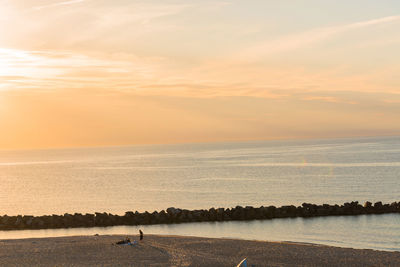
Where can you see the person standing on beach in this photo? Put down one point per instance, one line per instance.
(141, 235)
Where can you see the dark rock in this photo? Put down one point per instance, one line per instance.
(28, 221)
(288, 211)
(174, 215)
(238, 214)
(5, 222)
(249, 213)
(212, 213)
(367, 205)
(19, 222)
(271, 211)
(220, 214)
(173, 212)
(395, 207)
(378, 207)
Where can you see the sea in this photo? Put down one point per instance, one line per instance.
(204, 175)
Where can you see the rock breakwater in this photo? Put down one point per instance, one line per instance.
(175, 215)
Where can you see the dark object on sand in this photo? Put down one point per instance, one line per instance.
(141, 234)
(123, 242)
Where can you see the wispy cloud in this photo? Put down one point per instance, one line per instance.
(52, 70)
(307, 38)
(62, 3)
(329, 99)
(392, 101)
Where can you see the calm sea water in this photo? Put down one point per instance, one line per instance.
(120, 179)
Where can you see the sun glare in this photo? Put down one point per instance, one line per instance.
(19, 63)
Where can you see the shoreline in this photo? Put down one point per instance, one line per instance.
(172, 250)
(323, 230)
(189, 236)
(196, 236)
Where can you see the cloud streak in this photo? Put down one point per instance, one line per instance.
(307, 38)
(63, 3)
(329, 99)
(49, 70)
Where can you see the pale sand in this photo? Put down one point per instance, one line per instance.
(181, 251)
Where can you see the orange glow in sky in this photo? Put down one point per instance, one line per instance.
(98, 73)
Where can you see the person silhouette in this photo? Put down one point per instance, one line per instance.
(141, 234)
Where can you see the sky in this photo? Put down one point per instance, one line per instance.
(123, 72)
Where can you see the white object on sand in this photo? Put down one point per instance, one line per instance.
(243, 263)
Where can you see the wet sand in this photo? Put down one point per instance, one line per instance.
(181, 251)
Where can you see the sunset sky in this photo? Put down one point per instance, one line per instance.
(100, 72)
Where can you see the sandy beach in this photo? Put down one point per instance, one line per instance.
(181, 251)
